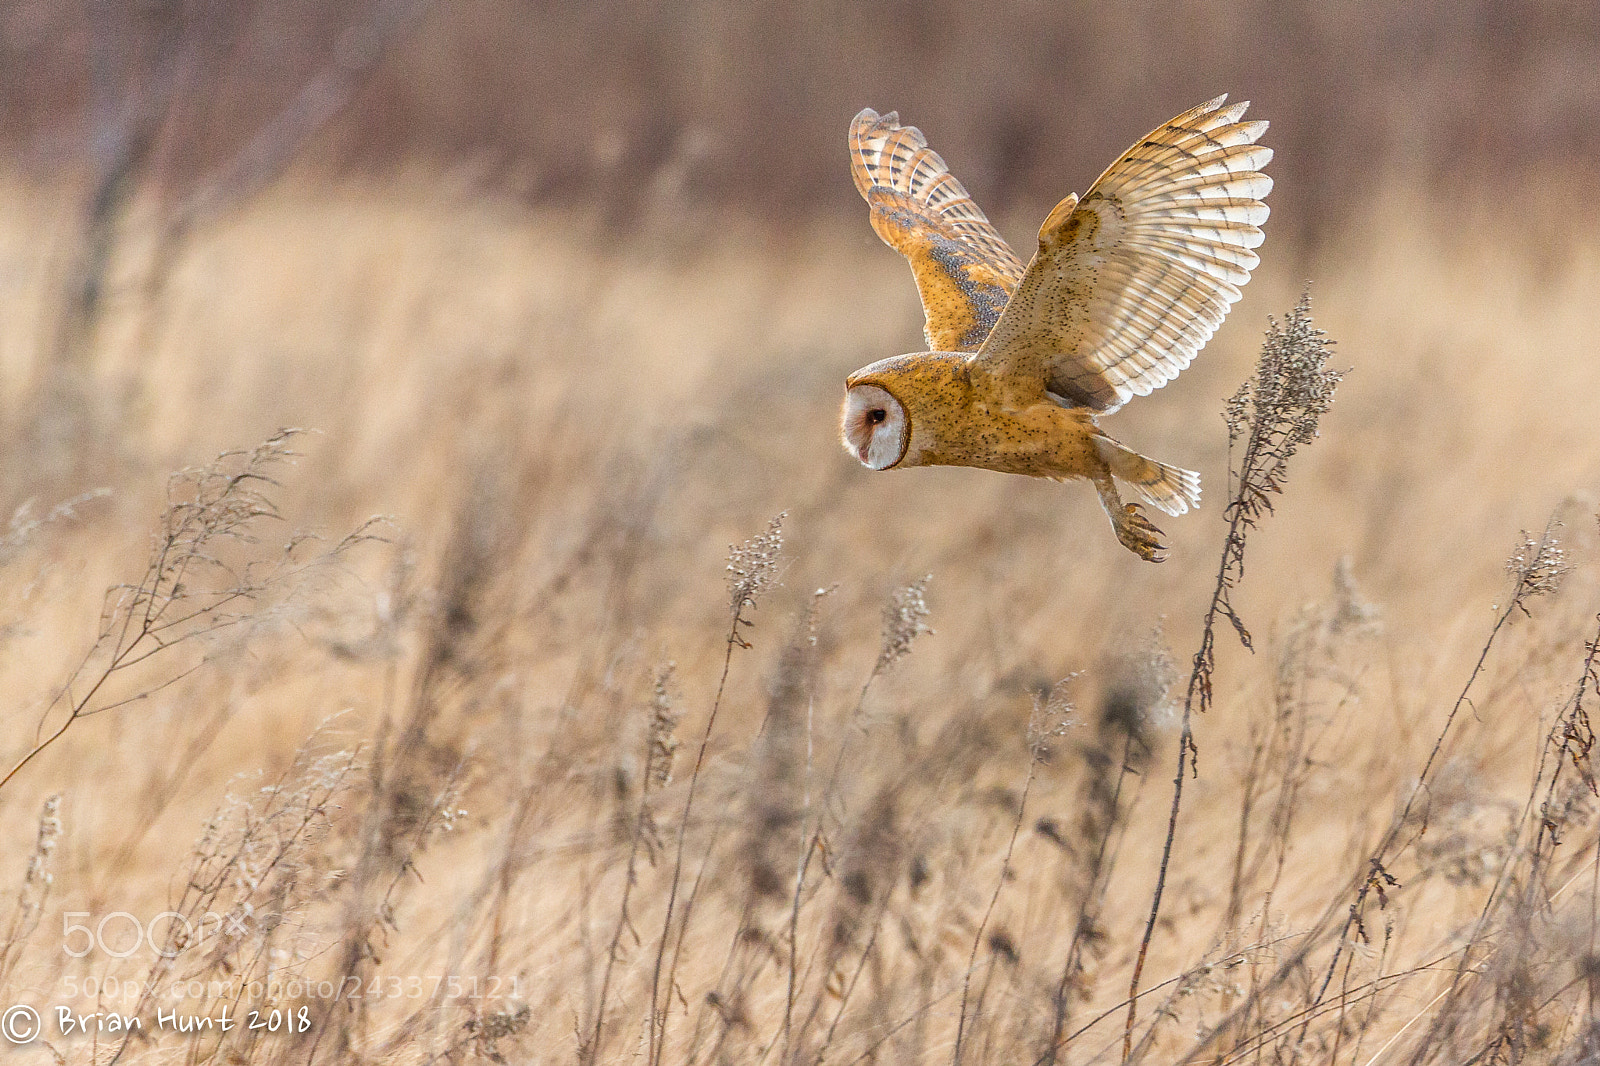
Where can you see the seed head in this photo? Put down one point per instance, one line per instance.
(753, 565)
(1538, 564)
(1278, 409)
(38, 872)
(663, 720)
(1236, 411)
(905, 617)
(1054, 715)
(1351, 610)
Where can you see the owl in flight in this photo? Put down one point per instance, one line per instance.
(1127, 285)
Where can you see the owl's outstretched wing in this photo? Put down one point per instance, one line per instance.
(965, 271)
(1131, 281)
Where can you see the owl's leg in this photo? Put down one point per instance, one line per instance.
(1134, 530)
(1168, 488)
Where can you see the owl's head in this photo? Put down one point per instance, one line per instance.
(873, 426)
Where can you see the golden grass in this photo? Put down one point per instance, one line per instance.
(568, 426)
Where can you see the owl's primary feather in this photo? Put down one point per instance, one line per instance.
(1132, 280)
(1126, 286)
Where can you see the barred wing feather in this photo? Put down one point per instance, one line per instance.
(1131, 282)
(964, 269)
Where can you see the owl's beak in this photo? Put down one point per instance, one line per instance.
(861, 453)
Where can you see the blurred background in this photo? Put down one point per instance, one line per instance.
(566, 292)
(740, 106)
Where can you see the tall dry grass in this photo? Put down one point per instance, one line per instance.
(537, 769)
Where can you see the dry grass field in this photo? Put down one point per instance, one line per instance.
(450, 728)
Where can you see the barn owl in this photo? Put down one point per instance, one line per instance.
(1127, 285)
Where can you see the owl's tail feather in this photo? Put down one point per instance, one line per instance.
(1170, 488)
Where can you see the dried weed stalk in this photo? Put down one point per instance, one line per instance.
(1536, 568)
(1275, 413)
(773, 806)
(37, 880)
(1499, 990)
(1505, 944)
(905, 618)
(258, 865)
(401, 820)
(200, 580)
(753, 569)
(1140, 688)
(1051, 718)
(660, 746)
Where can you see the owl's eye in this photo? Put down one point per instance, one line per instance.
(876, 415)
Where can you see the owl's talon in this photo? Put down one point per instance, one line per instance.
(1139, 535)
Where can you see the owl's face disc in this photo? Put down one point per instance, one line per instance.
(873, 426)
